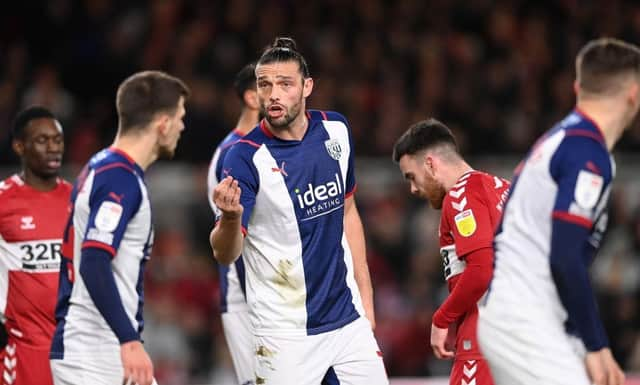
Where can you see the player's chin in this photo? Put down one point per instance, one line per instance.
(278, 122)
(48, 172)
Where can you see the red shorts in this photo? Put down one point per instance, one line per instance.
(24, 365)
(467, 372)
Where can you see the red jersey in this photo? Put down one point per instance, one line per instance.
(471, 211)
(32, 223)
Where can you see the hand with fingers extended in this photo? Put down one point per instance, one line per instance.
(137, 365)
(226, 197)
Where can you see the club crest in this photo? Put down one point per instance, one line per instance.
(333, 148)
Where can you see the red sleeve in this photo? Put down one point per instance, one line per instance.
(471, 285)
(469, 218)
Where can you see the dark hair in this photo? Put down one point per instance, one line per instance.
(284, 49)
(424, 135)
(601, 61)
(245, 80)
(27, 115)
(144, 94)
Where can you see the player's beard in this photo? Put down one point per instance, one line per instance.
(436, 196)
(285, 120)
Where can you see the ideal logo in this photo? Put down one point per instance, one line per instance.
(318, 199)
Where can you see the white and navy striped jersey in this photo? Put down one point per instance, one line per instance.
(111, 214)
(232, 277)
(552, 225)
(299, 269)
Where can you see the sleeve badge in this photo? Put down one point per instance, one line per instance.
(466, 223)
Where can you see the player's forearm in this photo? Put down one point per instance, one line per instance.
(355, 237)
(96, 272)
(471, 285)
(569, 272)
(226, 240)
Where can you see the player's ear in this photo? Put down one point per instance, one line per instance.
(250, 98)
(307, 87)
(162, 124)
(430, 164)
(576, 87)
(18, 147)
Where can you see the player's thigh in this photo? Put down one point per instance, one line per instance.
(24, 365)
(360, 359)
(95, 370)
(299, 360)
(239, 337)
(470, 372)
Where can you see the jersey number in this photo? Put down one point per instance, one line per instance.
(41, 251)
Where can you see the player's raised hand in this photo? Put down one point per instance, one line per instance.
(226, 196)
(137, 365)
(439, 343)
(603, 368)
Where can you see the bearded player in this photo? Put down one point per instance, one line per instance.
(471, 203)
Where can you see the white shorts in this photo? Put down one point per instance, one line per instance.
(105, 369)
(523, 352)
(239, 336)
(350, 354)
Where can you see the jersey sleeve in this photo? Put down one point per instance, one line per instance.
(351, 185)
(238, 164)
(115, 199)
(582, 171)
(213, 178)
(468, 217)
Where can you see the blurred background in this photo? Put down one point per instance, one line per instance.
(499, 73)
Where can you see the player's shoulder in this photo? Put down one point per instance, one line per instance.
(10, 186)
(472, 187)
(472, 181)
(112, 168)
(247, 145)
(481, 179)
(326, 116)
(580, 132)
(229, 140)
(582, 148)
(65, 186)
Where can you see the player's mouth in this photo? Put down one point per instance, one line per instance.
(275, 111)
(55, 162)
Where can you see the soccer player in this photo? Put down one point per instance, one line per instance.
(471, 203)
(286, 204)
(540, 323)
(235, 312)
(33, 212)
(108, 240)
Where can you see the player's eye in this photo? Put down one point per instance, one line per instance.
(40, 140)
